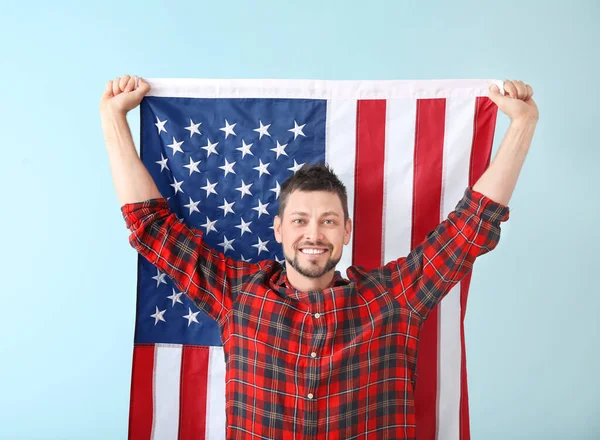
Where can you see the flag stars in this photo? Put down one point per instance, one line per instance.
(228, 167)
(244, 189)
(263, 130)
(193, 128)
(163, 163)
(177, 185)
(210, 188)
(192, 166)
(210, 148)
(245, 149)
(161, 125)
(261, 208)
(175, 297)
(226, 244)
(191, 317)
(176, 146)
(228, 129)
(158, 315)
(262, 168)
(244, 227)
(192, 206)
(159, 277)
(243, 259)
(276, 190)
(297, 130)
(279, 149)
(209, 225)
(261, 245)
(296, 166)
(226, 207)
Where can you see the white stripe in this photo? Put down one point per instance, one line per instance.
(319, 89)
(167, 374)
(340, 154)
(215, 395)
(400, 123)
(458, 138)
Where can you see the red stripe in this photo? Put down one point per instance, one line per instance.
(140, 407)
(193, 392)
(427, 195)
(484, 125)
(368, 199)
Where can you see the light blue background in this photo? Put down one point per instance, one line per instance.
(67, 280)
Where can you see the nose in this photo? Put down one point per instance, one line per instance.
(313, 233)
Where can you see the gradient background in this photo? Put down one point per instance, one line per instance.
(67, 280)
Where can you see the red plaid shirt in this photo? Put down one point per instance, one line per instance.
(336, 363)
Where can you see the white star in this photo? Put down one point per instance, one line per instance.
(210, 148)
(176, 298)
(193, 128)
(193, 166)
(161, 125)
(279, 261)
(276, 190)
(244, 189)
(262, 209)
(209, 225)
(296, 167)
(261, 245)
(177, 185)
(262, 130)
(226, 207)
(191, 317)
(245, 149)
(244, 227)
(176, 146)
(228, 167)
(210, 188)
(227, 244)
(297, 130)
(262, 168)
(228, 129)
(243, 259)
(163, 163)
(192, 206)
(160, 277)
(158, 315)
(279, 149)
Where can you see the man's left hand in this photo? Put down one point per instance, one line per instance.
(517, 102)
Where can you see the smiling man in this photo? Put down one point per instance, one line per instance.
(309, 353)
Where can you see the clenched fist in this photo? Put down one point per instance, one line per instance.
(123, 94)
(517, 102)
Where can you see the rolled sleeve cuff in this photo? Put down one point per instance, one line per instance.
(134, 212)
(483, 207)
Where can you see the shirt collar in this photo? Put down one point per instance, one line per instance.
(337, 280)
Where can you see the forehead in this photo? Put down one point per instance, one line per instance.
(313, 202)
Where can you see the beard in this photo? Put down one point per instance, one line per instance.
(312, 270)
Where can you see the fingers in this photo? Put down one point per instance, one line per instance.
(108, 93)
(518, 89)
(130, 84)
(115, 86)
(123, 83)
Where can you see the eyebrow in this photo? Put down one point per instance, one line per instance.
(304, 214)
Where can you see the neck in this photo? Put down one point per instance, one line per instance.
(306, 284)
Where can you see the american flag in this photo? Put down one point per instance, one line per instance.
(220, 149)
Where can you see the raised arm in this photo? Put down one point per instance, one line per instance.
(208, 277)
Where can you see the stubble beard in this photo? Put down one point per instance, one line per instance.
(313, 271)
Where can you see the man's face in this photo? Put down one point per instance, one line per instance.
(312, 232)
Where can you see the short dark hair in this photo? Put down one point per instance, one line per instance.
(318, 177)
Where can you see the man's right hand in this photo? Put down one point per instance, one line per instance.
(122, 95)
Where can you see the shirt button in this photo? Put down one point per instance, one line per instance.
(310, 395)
(313, 354)
(317, 315)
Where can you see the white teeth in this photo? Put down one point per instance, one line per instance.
(313, 251)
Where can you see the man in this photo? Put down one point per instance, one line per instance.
(311, 354)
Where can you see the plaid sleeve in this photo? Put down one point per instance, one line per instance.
(421, 279)
(208, 277)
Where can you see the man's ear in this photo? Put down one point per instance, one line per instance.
(347, 231)
(277, 228)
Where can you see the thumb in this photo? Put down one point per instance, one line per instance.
(142, 87)
(494, 93)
